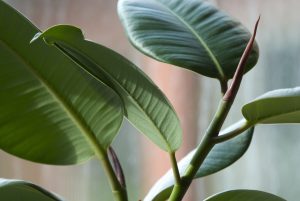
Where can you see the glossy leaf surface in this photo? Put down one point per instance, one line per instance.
(221, 156)
(146, 106)
(191, 34)
(278, 106)
(51, 111)
(17, 190)
(244, 195)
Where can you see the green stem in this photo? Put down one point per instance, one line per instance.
(240, 127)
(175, 169)
(202, 150)
(119, 193)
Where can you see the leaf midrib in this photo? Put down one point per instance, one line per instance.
(200, 39)
(83, 128)
(116, 81)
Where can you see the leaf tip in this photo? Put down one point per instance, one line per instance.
(35, 37)
(59, 32)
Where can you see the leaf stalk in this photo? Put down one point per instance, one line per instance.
(227, 135)
(175, 168)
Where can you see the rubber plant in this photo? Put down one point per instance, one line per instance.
(63, 98)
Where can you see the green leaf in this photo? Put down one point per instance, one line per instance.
(244, 195)
(17, 190)
(51, 111)
(221, 156)
(191, 34)
(274, 107)
(145, 105)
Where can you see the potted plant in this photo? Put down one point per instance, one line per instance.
(63, 98)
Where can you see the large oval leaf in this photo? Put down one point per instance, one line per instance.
(146, 106)
(221, 156)
(188, 33)
(244, 195)
(51, 111)
(278, 106)
(17, 190)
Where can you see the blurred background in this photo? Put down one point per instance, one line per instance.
(270, 164)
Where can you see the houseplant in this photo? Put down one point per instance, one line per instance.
(82, 67)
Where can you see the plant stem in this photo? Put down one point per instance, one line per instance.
(118, 191)
(202, 150)
(207, 142)
(175, 169)
(242, 126)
